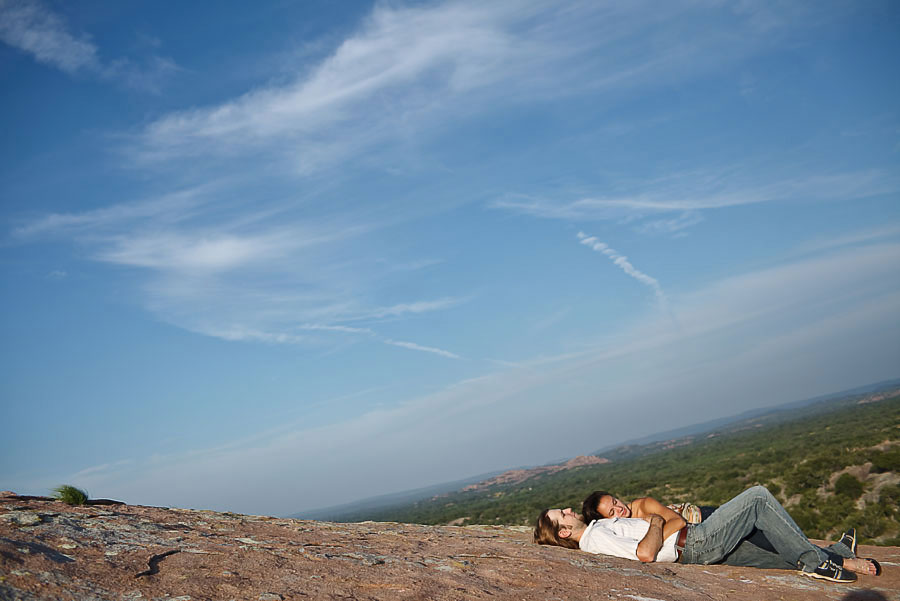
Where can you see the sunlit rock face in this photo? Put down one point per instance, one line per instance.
(49, 550)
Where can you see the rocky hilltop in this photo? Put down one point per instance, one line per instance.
(520, 475)
(49, 550)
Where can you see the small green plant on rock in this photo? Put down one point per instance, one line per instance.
(70, 495)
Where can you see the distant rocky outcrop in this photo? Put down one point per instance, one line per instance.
(49, 550)
(516, 476)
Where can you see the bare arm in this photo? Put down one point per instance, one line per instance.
(653, 540)
(647, 506)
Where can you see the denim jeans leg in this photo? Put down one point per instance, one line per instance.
(749, 555)
(714, 538)
(840, 549)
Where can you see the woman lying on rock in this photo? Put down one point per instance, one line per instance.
(601, 504)
(648, 531)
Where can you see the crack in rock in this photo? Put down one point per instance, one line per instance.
(153, 562)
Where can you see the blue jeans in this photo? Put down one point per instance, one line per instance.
(714, 538)
(750, 555)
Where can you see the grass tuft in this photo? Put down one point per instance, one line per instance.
(70, 495)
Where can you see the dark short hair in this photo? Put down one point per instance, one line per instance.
(589, 507)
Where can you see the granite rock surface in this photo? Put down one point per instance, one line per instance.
(49, 550)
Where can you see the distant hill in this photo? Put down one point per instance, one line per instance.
(770, 414)
(335, 512)
(521, 475)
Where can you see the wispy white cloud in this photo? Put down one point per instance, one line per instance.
(189, 253)
(696, 191)
(813, 285)
(245, 334)
(149, 75)
(772, 17)
(166, 209)
(446, 49)
(331, 328)
(550, 320)
(418, 347)
(410, 72)
(849, 239)
(33, 28)
(676, 225)
(99, 470)
(416, 307)
(238, 333)
(38, 31)
(213, 267)
(625, 265)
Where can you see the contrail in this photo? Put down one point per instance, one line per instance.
(626, 266)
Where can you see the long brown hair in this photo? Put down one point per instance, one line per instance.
(547, 533)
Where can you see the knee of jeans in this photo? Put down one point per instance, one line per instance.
(760, 491)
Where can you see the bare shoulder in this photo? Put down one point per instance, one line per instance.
(650, 505)
(648, 502)
(639, 506)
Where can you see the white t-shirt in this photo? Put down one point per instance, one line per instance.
(619, 537)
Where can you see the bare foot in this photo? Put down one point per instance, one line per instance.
(860, 566)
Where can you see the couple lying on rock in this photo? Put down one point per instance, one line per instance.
(751, 530)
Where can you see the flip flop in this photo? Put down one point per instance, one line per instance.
(874, 563)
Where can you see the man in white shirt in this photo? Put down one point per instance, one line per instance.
(652, 538)
(622, 537)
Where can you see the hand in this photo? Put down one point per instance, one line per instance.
(654, 516)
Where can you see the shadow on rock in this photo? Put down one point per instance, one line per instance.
(864, 596)
(51, 554)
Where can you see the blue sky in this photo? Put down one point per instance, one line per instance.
(276, 257)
